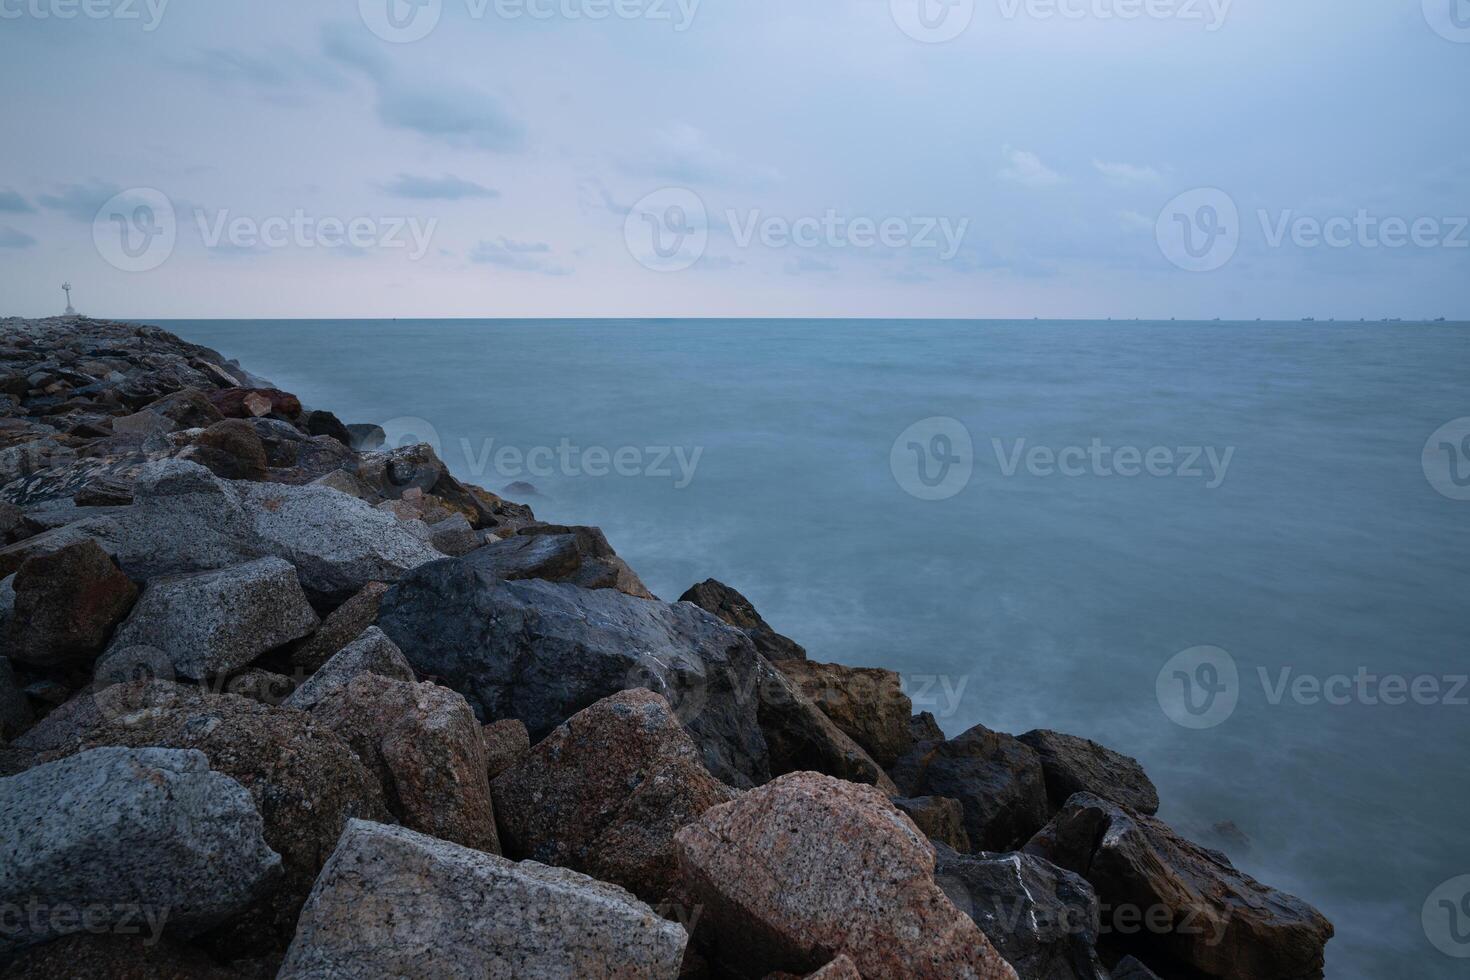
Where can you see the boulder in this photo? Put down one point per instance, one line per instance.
(115, 830)
(66, 604)
(305, 780)
(186, 519)
(580, 556)
(924, 728)
(366, 436)
(842, 968)
(454, 536)
(394, 903)
(1078, 765)
(1043, 920)
(541, 651)
(341, 627)
(186, 409)
(808, 867)
(231, 450)
(245, 403)
(605, 793)
(1129, 968)
(12, 523)
(15, 710)
(732, 607)
(506, 743)
(326, 424)
(1215, 919)
(130, 951)
(997, 780)
(261, 685)
(425, 745)
(370, 653)
(939, 818)
(801, 738)
(866, 703)
(208, 623)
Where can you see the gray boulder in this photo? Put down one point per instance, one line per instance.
(370, 653)
(186, 519)
(454, 536)
(212, 622)
(394, 903)
(1043, 920)
(114, 830)
(542, 651)
(579, 555)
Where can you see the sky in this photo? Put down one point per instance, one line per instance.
(897, 158)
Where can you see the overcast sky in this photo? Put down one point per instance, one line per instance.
(736, 157)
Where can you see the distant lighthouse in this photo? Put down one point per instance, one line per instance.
(70, 310)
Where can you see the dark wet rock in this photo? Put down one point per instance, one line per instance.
(938, 817)
(605, 793)
(305, 780)
(370, 653)
(1129, 968)
(732, 607)
(1042, 919)
(425, 745)
(67, 603)
(12, 523)
(454, 536)
(506, 743)
(343, 626)
(801, 738)
(321, 423)
(230, 449)
(520, 488)
(209, 623)
(1220, 921)
(114, 830)
(1078, 765)
(807, 867)
(924, 728)
(393, 903)
(866, 703)
(137, 952)
(997, 780)
(15, 710)
(186, 409)
(245, 403)
(541, 651)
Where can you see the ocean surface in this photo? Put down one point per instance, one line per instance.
(1133, 492)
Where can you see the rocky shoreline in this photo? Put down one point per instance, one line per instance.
(278, 700)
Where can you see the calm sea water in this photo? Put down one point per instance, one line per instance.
(1029, 596)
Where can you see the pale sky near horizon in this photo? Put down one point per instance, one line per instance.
(845, 165)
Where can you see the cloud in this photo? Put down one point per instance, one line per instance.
(80, 202)
(1133, 221)
(1127, 173)
(445, 188)
(11, 238)
(445, 111)
(1025, 168)
(683, 154)
(806, 264)
(521, 256)
(15, 204)
(280, 75)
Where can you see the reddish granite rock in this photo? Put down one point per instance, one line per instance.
(245, 403)
(605, 793)
(230, 449)
(66, 605)
(938, 817)
(867, 704)
(425, 745)
(807, 867)
(1223, 923)
(506, 743)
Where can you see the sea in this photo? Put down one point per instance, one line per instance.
(1239, 552)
